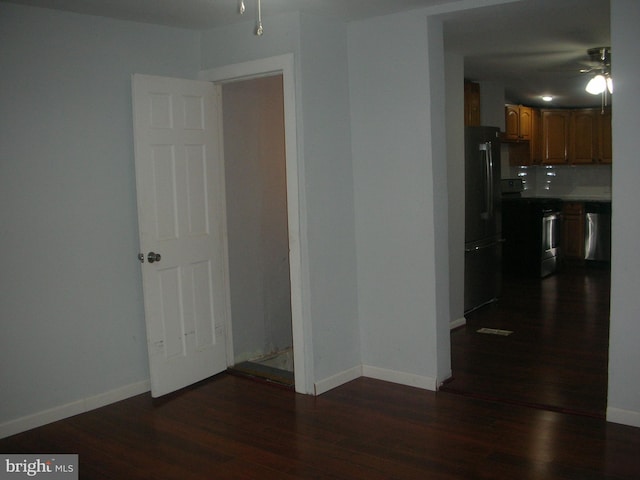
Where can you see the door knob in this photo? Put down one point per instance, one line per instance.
(153, 257)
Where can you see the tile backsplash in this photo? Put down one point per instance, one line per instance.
(564, 181)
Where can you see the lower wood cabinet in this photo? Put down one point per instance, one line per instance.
(573, 231)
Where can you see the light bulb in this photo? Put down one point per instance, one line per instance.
(596, 85)
(610, 84)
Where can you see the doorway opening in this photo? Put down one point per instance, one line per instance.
(257, 228)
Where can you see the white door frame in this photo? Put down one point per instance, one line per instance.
(299, 274)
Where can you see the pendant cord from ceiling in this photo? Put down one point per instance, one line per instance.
(242, 8)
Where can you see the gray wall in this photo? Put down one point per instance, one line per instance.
(71, 310)
(492, 104)
(70, 294)
(329, 195)
(257, 231)
(403, 316)
(326, 178)
(624, 337)
(454, 73)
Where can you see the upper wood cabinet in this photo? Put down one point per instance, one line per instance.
(583, 136)
(471, 104)
(555, 136)
(518, 123)
(576, 136)
(604, 136)
(535, 143)
(527, 149)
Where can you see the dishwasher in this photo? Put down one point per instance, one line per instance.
(597, 232)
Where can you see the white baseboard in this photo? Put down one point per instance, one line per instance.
(457, 323)
(338, 379)
(83, 405)
(625, 417)
(402, 378)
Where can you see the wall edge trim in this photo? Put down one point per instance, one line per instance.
(83, 405)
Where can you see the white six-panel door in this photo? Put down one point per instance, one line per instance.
(180, 189)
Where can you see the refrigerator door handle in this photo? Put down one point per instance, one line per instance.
(490, 178)
(485, 151)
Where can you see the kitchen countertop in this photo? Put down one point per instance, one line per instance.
(582, 198)
(575, 194)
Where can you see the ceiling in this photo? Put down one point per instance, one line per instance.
(532, 47)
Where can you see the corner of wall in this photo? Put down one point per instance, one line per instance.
(338, 379)
(624, 417)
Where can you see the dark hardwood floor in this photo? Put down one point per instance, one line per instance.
(231, 427)
(556, 357)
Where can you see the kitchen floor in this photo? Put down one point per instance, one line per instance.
(556, 356)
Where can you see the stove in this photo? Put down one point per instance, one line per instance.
(531, 231)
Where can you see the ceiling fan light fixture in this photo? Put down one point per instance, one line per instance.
(596, 85)
(610, 84)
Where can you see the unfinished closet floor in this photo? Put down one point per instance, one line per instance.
(276, 368)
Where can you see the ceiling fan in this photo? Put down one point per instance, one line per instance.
(600, 59)
(601, 82)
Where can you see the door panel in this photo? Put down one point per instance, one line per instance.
(482, 275)
(180, 183)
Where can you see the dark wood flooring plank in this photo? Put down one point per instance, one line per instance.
(557, 356)
(233, 427)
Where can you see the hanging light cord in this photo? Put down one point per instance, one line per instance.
(259, 29)
(242, 9)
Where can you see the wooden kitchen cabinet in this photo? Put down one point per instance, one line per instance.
(517, 123)
(535, 143)
(555, 136)
(471, 104)
(604, 136)
(522, 134)
(584, 136)
(573, 231)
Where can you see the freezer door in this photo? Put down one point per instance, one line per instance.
(482, 273)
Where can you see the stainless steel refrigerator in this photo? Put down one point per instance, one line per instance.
(483, 222)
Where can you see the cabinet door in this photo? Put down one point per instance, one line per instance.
(471, 104)
(555, 136)
(584, 136)
(573, 236)
(512, 122)
(573, 231)
(535, 142)
(604, 136)
(525, 122)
